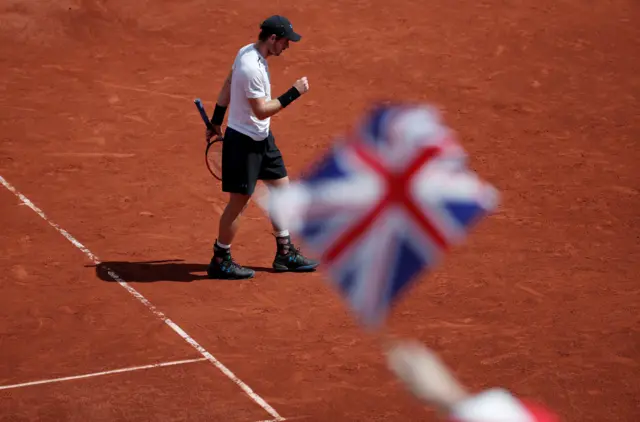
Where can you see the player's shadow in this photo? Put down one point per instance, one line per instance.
(151, 271)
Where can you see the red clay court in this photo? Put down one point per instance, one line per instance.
(101, 144)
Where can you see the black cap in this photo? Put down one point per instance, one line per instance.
(281, 27)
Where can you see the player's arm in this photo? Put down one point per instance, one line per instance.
(263, 108)
(224, 98)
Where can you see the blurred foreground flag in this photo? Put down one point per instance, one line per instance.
(383, 205)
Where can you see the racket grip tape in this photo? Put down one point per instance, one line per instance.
(203, 113)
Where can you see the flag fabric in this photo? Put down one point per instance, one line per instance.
(386, 202)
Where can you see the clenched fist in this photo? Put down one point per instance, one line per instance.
(302, 85)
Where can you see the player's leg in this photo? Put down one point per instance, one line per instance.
(230, 218)
(274, 174)
(241, 162)
(276, 183)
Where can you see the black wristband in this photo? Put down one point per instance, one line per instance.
(288, 97)
(218, 115)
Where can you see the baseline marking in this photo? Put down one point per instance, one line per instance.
(97, 374)
(186, 337)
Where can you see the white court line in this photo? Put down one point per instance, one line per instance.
(97, 374)
(186, 337)
(147, 91)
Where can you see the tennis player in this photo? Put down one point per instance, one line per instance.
(249, 151)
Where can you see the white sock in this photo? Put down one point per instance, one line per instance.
(283, 233)
(223, 246)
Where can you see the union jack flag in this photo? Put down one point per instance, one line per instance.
(384, 204)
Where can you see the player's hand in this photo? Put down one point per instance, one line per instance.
(216, 131)
(302, 85)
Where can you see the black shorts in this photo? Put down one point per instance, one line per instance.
(245, 161)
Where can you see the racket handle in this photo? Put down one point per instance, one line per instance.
(203, 113)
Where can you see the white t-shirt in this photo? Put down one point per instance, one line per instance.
(250, 79)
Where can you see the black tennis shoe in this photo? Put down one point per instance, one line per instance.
(292, 260)
(223, 267)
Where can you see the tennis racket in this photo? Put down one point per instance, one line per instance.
(213, 152)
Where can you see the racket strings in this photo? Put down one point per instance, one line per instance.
(214, 158)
